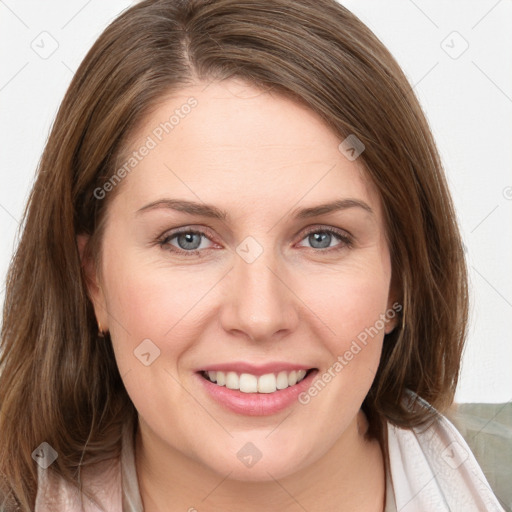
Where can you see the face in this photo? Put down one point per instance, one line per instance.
(252, 284)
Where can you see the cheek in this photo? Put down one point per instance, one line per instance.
(350, 301)
(149, 304)
(148, 301)
(352, 305)
(152, 331)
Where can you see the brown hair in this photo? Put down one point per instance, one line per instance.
(59, 383)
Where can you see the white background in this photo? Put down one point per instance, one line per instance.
(468, 101)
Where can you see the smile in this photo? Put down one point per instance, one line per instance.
(249, 383)
(255, 395)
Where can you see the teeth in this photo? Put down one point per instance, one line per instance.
(221, 378)
(248, 383)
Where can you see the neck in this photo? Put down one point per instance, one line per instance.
(350, 476)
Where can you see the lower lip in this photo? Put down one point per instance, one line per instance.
(257, 404)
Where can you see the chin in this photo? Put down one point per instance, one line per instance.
(248, 463)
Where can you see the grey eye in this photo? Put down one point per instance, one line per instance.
(186, 240)
(320, 240)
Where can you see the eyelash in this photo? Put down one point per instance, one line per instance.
(163, 241)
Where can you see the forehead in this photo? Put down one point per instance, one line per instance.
(231, 141)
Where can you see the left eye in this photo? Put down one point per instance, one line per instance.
(189, 242)
(321, 238)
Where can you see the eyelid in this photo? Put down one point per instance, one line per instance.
(345, 237)
(203, 231)
(324, 227)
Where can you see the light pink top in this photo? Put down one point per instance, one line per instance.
(431, 469)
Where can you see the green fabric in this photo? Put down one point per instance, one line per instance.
(487, 428)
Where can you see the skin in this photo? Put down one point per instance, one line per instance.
(258, 156)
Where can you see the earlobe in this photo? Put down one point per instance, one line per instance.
(390, 325)
(394, 306)
(392, 315)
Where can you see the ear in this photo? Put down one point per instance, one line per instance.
(394, 306)
(92, 282)
(392, 315)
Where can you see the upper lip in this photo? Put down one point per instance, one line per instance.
(255, 369)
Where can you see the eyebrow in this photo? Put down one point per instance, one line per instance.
(206, 210)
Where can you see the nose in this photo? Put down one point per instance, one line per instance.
(259, 303)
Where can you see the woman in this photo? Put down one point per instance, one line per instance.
(240, 284)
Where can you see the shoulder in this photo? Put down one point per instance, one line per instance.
(106, 486)
(433, 468)
(100, 490)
